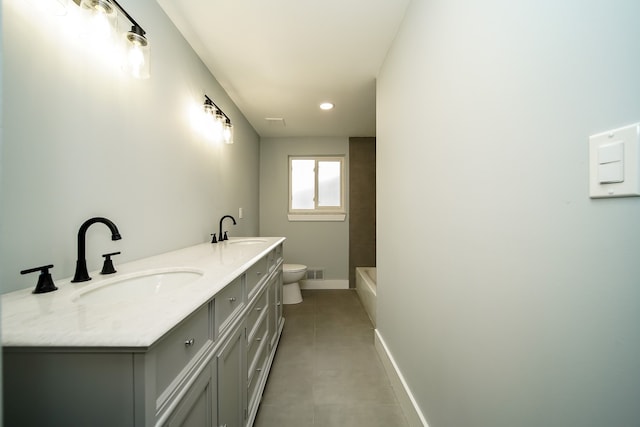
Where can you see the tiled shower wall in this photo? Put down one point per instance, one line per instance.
(362, 205)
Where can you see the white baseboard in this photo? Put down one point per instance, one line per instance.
(324, 284)
(412, 412)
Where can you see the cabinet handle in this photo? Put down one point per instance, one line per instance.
(189, 342)
(259, 369)
(258, 273)
(259, 339)
(232, 299)
(259, 309)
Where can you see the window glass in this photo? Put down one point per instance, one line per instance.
(329, 183)
(316, 185)
(302, 184)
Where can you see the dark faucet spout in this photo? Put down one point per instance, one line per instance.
(82, 275)
(220, 238)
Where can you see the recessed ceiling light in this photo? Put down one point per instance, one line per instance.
(326, 106)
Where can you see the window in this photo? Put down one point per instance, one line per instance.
(316, 188)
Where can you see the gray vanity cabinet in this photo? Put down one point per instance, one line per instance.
(230, 380)
(199, 406)
(209, 370)
(275, 313)
(51, 387)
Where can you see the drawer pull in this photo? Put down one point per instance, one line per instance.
(189, 342)
(232, 299)
(259, 309)
(258, 273)
(259, 339)
(259, 370)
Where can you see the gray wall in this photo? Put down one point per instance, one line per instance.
(315, 244)
(506, 296)
(81, 139)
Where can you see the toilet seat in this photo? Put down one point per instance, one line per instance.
(293, 268)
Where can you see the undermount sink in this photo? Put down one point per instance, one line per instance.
(246, 241)
(137, 285)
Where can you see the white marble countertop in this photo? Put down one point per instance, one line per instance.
(61, 319)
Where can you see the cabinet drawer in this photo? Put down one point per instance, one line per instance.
(255, 274)
(259, 307)
(255, 379)
(256, 343)
(177, 351)
(228, 302)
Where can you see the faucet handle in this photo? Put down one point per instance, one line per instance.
(213, 238)
(107, 267)
(45, 282)
(225, 236)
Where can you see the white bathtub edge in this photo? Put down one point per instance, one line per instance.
(412, 412)
(367, 290)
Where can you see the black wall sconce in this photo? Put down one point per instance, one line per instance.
(136, 61)
(220, 123)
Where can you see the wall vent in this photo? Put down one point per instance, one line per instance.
(316, 274)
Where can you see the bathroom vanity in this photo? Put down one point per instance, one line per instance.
(185, 338)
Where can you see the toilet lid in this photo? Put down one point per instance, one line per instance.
(293, 268)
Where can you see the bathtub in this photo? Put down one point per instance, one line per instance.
(366, 284)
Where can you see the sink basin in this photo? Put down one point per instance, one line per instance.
(246, 241)
(138, 285)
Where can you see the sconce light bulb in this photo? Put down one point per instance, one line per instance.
(136, 60)
(102, 26)
(227, 133)
(137, 53)
(218, 124)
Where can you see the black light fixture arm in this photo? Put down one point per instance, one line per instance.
(209, 101)
(135, 27)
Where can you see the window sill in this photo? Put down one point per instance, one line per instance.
(317, 217)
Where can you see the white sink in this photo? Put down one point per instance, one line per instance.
(137, 285)
(251, 241)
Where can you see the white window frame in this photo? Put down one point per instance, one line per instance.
(319, 213)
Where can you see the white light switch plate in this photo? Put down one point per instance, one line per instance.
(602, 154)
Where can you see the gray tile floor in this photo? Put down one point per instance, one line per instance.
(326, 371)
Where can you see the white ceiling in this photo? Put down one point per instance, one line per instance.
(282, 58)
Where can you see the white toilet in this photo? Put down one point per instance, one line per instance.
(291, 275)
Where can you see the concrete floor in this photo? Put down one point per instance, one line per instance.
(326, 371)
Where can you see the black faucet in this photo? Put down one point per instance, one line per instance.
(220, 236)
(82, 275)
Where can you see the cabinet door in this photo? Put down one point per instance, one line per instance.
(232, 381)
(198, 407)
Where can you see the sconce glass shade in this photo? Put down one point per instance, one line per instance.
(98, 6)
(208, 107)
(137, 53)
(52, 7)
(218, 125)
(227, 132)
(102, 19)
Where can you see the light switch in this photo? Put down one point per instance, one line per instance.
(611, 162)
(614, 163)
